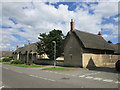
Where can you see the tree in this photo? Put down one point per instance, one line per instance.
(109, 42)
(46, 44)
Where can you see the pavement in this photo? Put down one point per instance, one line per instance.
(19, 77)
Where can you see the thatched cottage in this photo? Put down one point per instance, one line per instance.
(28, 53)
(83, 49)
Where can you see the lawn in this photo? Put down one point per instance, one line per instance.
(55, 68)
(23, 65)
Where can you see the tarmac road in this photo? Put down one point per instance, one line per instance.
(18, 77)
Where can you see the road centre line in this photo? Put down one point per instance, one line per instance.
(88, 77)
(82, 76)
(117, 82)
(91, 74)
(72, 74)
(42, 78)
(97, 79)
(108, 80)
(46, 78)
(18, 71)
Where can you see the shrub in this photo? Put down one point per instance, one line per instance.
(11, 57)
(17, 62)
(7, 59)
(0, 60)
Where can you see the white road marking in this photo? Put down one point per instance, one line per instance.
(68, 74)
(42, 78)
(5, 68)
(82, 76)
(108, 80)
(73, 75)
(18, 71)
(91, 73)
(2, 87)
(117, 82)
(51, 80)
(46, 79)
(31, 75)
(97, 79)
(88, 77)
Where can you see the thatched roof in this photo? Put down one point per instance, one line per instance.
(116, 48)
(93, 41)
(27, 48)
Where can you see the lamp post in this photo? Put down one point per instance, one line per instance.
(54, 53)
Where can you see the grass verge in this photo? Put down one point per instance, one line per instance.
(55, 68)
(23, 65)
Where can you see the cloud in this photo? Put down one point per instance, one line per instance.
(38, 17)
(106, 9)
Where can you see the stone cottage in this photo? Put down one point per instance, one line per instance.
(83, 49)
(28, 53)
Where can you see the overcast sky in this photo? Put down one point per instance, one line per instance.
(23, 21)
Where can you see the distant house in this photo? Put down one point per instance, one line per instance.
(84, 49)
(6, 53)
(28, 53)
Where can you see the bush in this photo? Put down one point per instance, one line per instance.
(0, 60)
(17, 62)
(117, 65)
(7, 59)
(11, 57)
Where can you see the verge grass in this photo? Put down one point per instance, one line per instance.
(23, 65)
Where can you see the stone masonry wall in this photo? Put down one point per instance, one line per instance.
(99, 60)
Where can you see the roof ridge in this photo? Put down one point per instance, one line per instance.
(87, 32)
(90, 40)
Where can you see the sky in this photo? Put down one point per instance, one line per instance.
(24, 21)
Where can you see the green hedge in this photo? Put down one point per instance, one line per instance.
(17, 62)
(0, 60)
(7, 59)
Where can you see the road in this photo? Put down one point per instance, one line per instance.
(18, 77)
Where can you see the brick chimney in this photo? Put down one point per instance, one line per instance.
(99, 33)
(72, 25)
(17, 46)
(25, 45)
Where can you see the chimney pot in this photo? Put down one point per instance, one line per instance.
(17, 46)
(25, 45)
(99, 33)
(72, 25)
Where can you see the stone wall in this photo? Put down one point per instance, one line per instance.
(49, 62)
(99, 60)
